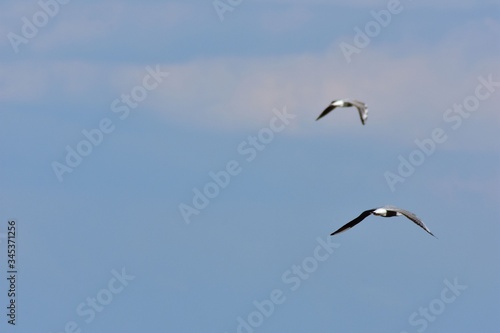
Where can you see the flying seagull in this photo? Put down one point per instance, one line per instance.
(344, 103)
(386, 211)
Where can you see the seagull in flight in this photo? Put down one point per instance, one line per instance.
(344, 103)
(386, 211)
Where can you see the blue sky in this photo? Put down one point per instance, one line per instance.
(164, 100)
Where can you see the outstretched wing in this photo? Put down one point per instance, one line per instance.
(412, 217)
(362, 110)
(326, 111)
(351, 224)
(356, 102)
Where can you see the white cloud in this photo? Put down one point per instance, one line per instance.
(406, 90)
(77, 25)
(37, 82)
(407, 86)
(22, 82)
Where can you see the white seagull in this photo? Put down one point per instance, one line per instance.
(386, 211)
(343, 103)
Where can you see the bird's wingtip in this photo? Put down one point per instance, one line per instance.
(339, 231)
(336, 232)
(322, 114)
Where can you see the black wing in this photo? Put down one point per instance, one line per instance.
(353, 222)
(326, 111)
